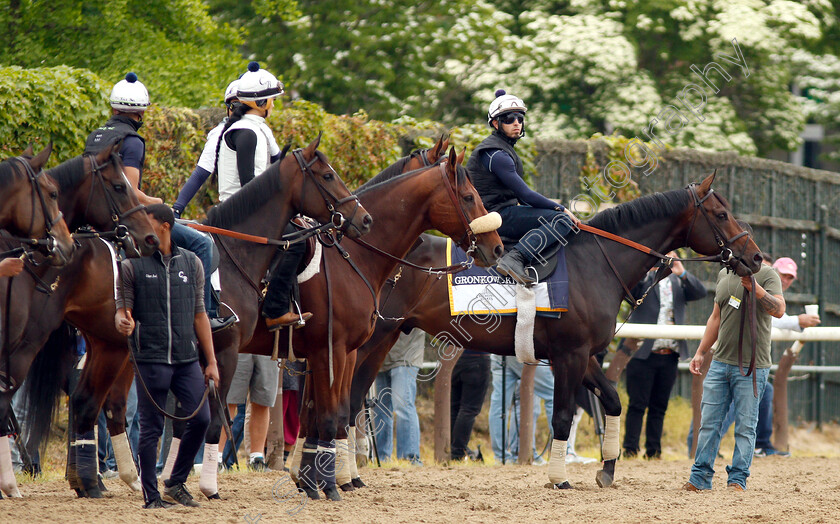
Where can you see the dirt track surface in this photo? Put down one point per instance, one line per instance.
(780, 490)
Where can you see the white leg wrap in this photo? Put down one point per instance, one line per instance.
(573, 430)
(362, 444)
(610, 447)
(557, 462)
(351, 453)
(342, 462)
(209, 470)
(125, 462)
(8, 483)
(170, 459)
(297, 454)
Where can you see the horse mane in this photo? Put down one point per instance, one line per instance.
(250, 197)
(391, 171)
(7, 173)
(461, 175)
(642, 210)
(68, 174)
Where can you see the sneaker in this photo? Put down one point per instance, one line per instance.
(110, 473)
(220, 323)
(574, 458)
(415, 461)
(158, 503)
(759, 452)
(178, 492)
(258, 464)
(539, 461)
(776, 452)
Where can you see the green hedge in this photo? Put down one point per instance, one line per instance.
(64, 105)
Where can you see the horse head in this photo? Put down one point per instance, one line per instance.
(31, 202)
(713, 229)
(467, 219)
(324, 196)
(111, 203)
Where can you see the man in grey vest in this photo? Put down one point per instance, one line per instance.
(162, 297)
(498, 175)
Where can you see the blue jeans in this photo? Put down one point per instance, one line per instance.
(396, 390)
(105, 452)
(543, 389)
(764, 430)
(200, 244)
(537, 229)
(723, 385)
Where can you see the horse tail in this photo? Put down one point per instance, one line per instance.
(44, 383)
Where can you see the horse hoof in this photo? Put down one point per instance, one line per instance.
(312, 493)
(94, 493)
(564, 485)
(357, 483)
(603, 479)
(214, 496)
(80, 493)
(332, 494)
(347, 487)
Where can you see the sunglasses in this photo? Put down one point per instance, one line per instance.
(510, 118)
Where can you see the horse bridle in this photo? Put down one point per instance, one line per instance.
(462, 216)
(333, 203)
(120, 231)
(48, 239)
(725, 245)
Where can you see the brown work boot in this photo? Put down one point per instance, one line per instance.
(688, 486)
(287, 320)
(735, 487)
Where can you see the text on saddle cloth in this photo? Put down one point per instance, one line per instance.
(479, 291)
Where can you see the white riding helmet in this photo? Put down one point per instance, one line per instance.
(129, 95)
(258, 84)
(231, 91)
(504, 103)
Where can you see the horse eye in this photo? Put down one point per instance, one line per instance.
(722, 216)
(54, 195)
(119, 188)
(469, 198)
(328, 176)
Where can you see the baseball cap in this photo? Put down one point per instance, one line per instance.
(785, 266)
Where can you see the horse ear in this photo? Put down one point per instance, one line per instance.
(462, 155)
(452, 160)
(103, 155)
(706, 184)
(28, 151)
(40, 160)
(309, 151)
(439, 147)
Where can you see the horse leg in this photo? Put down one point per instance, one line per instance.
(115, 408)
(226, 358)
(307, 472)
(103, 365)
(596, 381)
(369, 361)
(343, 471)
(326, 403)
(568, 370)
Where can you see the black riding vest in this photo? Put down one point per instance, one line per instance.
(115, 129)
(164, 307)
(494, 194)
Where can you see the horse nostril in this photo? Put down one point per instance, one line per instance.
(152, 241)
(367, 221)
(499, 251)
(758, 258)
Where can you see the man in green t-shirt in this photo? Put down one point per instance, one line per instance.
(724, 383)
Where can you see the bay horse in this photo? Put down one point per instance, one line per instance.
(29, 206)
(95, 193)
(257, 343)
(663, 221)
(438, 197)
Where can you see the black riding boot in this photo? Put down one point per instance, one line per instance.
(276, 305)
(513, 265)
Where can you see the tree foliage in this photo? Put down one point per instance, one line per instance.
(179, 52)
